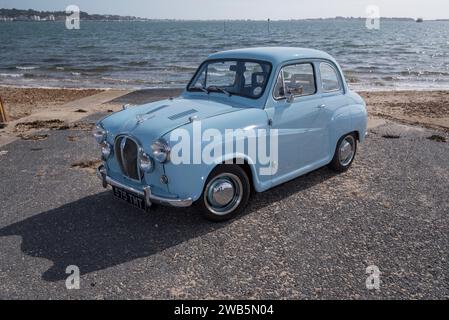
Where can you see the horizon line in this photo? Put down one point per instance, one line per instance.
(236, 19)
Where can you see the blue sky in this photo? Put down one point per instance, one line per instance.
(243, 9)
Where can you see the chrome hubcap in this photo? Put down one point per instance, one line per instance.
(347, 150)
(223, 194)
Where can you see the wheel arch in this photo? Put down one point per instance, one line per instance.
(244, 164)
(354, 132)
(243, 161)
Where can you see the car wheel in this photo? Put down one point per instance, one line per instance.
(225, 194)
(344, 153)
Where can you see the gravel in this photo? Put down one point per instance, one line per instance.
(311, 238)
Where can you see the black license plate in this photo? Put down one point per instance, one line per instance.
(131, 198)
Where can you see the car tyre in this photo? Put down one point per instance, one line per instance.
(226, 193)
(344, 153)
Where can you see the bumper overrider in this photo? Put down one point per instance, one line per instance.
(146, 194)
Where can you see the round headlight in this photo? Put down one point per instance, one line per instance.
(161, 150)
(99, 134)
(106, 150)
(145, 162)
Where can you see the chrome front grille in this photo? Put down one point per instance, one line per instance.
(126, 153)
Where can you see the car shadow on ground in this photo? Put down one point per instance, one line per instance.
(99, 231)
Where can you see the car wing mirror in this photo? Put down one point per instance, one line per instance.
(292, 92)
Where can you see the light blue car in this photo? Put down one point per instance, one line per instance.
(293, 102)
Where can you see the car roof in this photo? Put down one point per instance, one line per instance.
(275, 55)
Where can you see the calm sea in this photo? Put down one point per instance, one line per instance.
(159, 54)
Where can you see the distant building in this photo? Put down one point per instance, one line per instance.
(33, 15)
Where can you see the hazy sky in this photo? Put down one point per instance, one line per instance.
(243, 9)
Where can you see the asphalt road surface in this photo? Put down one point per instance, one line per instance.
(313, 237)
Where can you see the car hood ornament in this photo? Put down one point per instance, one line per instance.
(141, 118)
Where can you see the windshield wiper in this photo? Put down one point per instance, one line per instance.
(200, 89)
(215, 88)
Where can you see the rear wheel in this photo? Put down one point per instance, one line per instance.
(225, 194)
(344, 153)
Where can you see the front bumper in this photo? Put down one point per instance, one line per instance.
(149, 197)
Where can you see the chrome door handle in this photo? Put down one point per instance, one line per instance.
(321, 106)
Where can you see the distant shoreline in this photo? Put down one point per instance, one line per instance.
(225, 20)
(13, 15)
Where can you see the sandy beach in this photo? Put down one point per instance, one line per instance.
(22, 102)
(426, 108)
(35, 109)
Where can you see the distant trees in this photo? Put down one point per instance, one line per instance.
(31, 15)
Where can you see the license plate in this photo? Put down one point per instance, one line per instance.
(131, 198)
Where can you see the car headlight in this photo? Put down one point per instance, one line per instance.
(100, 134)
(145, 162)
(161, 150)
(106, 150)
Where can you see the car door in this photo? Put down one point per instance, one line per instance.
(332, 93)
(297, 115)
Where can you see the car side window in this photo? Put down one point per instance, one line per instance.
(329, 78)
(296, 79)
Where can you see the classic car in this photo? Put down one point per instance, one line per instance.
(299, 96)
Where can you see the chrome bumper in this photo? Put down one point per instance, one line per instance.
(146, 193)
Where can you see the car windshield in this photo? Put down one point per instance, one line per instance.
(232, 77)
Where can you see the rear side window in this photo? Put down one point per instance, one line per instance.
(296, 79)
(329, 78)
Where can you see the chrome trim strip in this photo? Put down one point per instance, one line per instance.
(182, 114)
(122, 151)
(158, 109)
(146, 193)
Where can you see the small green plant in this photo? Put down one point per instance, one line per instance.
(437, 138)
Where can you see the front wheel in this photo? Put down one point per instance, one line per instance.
(225, 194)
(344, 153)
